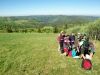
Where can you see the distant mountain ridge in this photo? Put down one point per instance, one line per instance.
(63, 18)
(43, 20)
(53, 18)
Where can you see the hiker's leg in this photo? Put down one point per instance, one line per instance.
(61, 50)
(91, 53)
(82, 56)
(71, 45)
(59, 47)
(82, 53)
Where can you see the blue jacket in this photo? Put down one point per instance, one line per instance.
(72, 38)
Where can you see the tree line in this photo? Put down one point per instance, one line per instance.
(29, 24)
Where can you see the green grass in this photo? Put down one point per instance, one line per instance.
(37, 54)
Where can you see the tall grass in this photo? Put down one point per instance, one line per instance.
(37, 54)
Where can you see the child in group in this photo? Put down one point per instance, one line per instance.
(81, 47)
(72, 40)
(66, 44)
(74, 51)
(76, 43)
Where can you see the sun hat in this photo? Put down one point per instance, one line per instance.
(61, 31)
(78, 33)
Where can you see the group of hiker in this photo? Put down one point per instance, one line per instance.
(78, 46)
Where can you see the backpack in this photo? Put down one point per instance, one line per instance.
(86, 44)
(70, 53)
(86, 64)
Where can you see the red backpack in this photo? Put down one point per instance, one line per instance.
(70, 53)
(86, 64)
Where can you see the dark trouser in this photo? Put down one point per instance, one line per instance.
(61, 50)
(84, 51)
(61, 47)
(71, 45)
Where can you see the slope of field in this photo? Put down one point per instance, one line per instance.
(37, 54)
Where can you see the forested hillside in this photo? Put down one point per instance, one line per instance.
(35, 21)
(51, 23)
(17, 22)
(64, 18)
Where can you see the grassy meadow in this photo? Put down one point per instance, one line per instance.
(37, 54)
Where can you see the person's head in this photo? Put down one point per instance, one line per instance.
(60, 34)
(80, 38)
(74, 47)
(67, 36)
(84, 35)
(73, 33)
(79, 34)
(87, 39)
(64, 32)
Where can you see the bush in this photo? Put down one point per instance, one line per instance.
(8, 29)
(55, 30)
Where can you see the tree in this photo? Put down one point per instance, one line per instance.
(55, 30)
(39, 29)
(8, 29)
(65, 27)
(94, 30)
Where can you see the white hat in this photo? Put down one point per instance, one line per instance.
(78, 33)
(61, 31)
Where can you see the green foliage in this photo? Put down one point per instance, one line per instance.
(8, 29)
(55, 30)
(49, 20)
(51, 24)
(47, 29)
(16, 30)
(65, 18)
(94, 29)
(31, 30)
(2, 31)
(39, 29)
(65, 27)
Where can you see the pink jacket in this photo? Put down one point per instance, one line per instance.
(67, 41)
(58, 38)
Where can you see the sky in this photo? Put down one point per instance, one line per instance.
(49, 7)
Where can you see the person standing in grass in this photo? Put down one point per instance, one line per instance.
(61, 40)
(72, 40)
(58, 39)
(66, 44)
